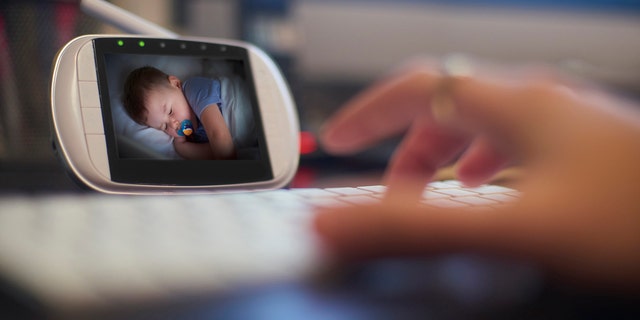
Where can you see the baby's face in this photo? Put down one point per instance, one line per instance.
(167, 107)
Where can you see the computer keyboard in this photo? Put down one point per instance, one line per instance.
(95, 250)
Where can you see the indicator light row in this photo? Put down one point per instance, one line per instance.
(121, 43)
(141, 44)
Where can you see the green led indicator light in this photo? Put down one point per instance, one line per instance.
(141, 43)
(120, 43)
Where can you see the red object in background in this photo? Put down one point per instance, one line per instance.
(305, 177)
(66, 20)
(308, 143)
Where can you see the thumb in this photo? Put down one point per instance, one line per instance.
(395, 228)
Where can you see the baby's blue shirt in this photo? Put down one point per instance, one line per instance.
(201, 93)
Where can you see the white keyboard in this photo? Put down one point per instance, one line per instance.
(93, 250)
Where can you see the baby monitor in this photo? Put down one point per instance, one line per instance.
(106, 149)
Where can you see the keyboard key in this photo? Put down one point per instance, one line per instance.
(442, 185)
(349, 191)
(430, 195)
(500, 197)
(476, 201)
(312, 192)
(490, 189)
(374, 189)
(359, 199)
(456, 192)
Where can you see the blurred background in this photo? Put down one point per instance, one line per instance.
(328, 50)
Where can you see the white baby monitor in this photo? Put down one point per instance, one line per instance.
(107, 150)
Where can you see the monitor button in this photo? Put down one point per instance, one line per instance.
(92, 120)
(89, 96)
(86, 63)
(98, 153)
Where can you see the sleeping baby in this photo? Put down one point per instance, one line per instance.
(191, 112)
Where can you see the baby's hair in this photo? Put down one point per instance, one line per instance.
(138, 83)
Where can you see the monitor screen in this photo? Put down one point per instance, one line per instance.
(180, 112)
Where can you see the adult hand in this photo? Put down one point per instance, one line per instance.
(579, 148)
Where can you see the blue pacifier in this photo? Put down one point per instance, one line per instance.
(186, 128)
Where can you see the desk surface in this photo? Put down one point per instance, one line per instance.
(455, 287)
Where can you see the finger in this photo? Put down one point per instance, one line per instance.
(518, 117)
(425, 149)
(400, 229)
(384, 110)
(480, 162)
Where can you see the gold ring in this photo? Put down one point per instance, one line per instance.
(453, 66)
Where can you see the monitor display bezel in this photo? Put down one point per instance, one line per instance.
(178, 172)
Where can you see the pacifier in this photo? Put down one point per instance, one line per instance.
(186, 128)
